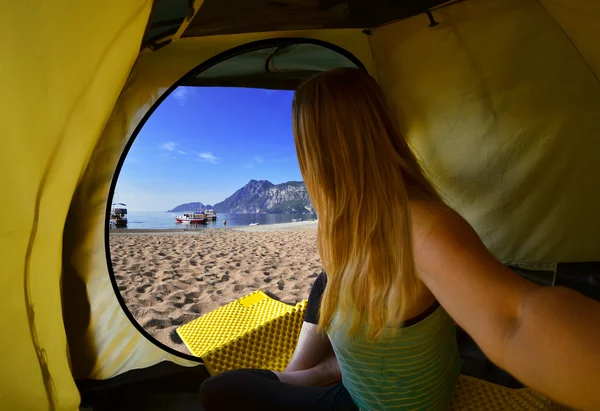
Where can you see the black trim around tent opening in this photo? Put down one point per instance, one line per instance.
(253, 46)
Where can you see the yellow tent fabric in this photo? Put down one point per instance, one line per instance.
(60, 80)
(109, 338)
(504, 116)
(500, 100)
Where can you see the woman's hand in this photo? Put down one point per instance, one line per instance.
(313, 362)
(326, 372)
(311, 348)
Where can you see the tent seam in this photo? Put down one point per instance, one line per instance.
(375, 68)
(587, 64)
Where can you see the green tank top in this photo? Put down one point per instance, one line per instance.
(416, 370)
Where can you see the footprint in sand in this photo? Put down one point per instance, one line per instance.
(191, 296)
(156, 323)
(196, 309)
(150, 273)
(175, 337)
(142, 289)
(182, 319)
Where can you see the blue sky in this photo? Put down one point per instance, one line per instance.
(202, 144)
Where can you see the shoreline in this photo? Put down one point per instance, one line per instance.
(194, 230)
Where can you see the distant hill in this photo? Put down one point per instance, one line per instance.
(262, 196)
(189, 207)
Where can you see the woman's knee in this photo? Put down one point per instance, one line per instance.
(211, 390)
(226, 390)
(215, 391)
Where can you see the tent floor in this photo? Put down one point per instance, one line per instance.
(164, 386)
(170, 387)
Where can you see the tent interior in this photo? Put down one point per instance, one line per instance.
(499, 100)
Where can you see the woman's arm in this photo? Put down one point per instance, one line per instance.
(325, 372)
(545, 337)
(313, 363)
(311, 348)
(556, 340)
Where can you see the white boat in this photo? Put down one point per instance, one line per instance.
(251, 224)
(118, 215)
(196, 217)
(211, 215)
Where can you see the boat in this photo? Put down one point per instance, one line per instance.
(211, 215)
(196, 217)
(252, 224)
(118, 215)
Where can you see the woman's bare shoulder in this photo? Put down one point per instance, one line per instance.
(447, 248)
(435, 223)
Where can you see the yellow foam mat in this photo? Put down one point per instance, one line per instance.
(259, 332)
(472, 394)
(254, 331)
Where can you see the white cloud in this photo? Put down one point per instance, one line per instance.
(258, 159)
(170, 146)
(285, 159)
(181, 152)
(181, 94)
(208, 157)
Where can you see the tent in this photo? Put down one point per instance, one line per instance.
(500, 99)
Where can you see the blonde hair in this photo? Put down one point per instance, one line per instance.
(359, 172)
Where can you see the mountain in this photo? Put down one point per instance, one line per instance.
(262, 196)
(189, 207)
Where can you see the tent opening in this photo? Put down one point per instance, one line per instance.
(213, 159)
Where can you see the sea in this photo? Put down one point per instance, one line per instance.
(156, 220)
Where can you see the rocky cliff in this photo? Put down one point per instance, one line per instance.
(262, 196)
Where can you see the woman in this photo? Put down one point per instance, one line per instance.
(396, 346)
(392, 252)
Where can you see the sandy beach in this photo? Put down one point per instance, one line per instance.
(168, 278)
